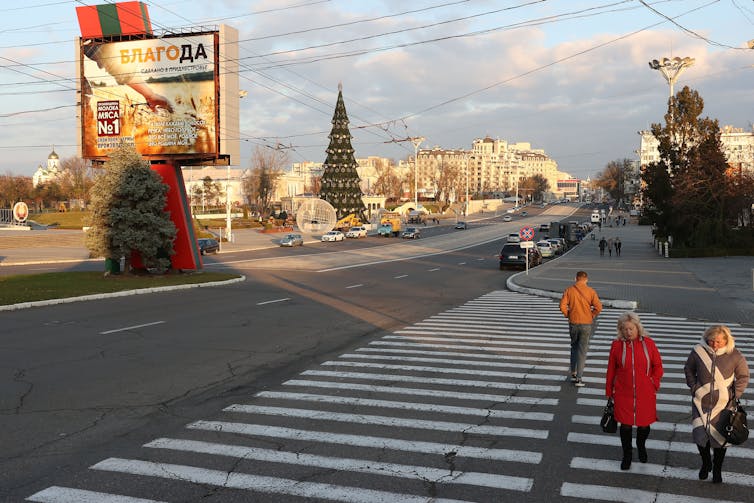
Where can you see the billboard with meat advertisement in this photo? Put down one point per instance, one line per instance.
(158, 94)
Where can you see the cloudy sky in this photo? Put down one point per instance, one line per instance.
(568, 76)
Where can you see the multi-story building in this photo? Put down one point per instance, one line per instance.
(738, 147)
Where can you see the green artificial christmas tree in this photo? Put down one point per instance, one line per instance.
(341, 185)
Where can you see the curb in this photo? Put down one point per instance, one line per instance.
(124, 293)
(631, 305)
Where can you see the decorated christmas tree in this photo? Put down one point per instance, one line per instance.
(341, 185)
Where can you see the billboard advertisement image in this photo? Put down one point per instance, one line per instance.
(158, 94)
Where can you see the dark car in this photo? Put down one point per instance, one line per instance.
(411, 233)
(208, 245)
(462, 225)
(512, 255)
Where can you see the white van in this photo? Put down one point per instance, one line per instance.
(596, 218)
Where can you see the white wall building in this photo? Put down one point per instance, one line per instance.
(738, 147)
(47, 173)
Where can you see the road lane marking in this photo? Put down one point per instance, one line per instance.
(272, 301)
(355, 286)
(656, 470)
(661, 445)
(423, 407)
(432, 380)
(401, 276)
(392, 422)
(433, 269)
(441, 370)
(450, 361)
(264, 484)
(106, 332)
(57, 494)
(461, 263)
(434, 393)
(442, 476)
(387, 443)
(625, 495)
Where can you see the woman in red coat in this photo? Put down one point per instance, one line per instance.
(634, 370)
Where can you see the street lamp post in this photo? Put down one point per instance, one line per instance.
(466, 207)
(417, 140)
(228, 231)
(671, 69)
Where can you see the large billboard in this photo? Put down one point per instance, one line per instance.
(158, 94)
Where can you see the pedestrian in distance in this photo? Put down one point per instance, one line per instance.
(634, 371)
(602, 245)
(717, 374)
(581, 305)
(610, 247)
(617, 245)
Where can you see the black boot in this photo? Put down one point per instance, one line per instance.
(706, 461)
(642, 433)
(625, 442)
(717, 465)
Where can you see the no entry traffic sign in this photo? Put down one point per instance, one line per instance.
(526, 233)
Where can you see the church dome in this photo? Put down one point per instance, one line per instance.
(53, 155)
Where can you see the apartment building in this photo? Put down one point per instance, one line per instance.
(738, 147)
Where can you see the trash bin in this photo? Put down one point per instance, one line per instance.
(112, 265)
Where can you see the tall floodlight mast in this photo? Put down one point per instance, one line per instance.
(671, 68)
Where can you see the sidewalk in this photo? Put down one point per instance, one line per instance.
(713, 289)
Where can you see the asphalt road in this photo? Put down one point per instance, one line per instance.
(83, 380)
(121, 395)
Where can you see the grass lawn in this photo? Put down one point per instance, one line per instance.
(58, 285)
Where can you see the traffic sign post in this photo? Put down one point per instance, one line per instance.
(526, 245)
(526, 233)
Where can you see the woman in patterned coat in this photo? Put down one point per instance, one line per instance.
(715, 356)
(634, 370)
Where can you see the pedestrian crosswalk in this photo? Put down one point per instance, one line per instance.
(469, 405)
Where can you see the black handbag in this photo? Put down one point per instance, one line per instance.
(608, 422)
(733, 423)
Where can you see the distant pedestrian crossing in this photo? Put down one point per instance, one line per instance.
(469, 405)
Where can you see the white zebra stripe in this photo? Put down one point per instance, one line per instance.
(422, 407)
(395, 444)
(392, 422)
(57, 494)
(433, 380)
(439, 476)
(412, 391)
(259, 483)
(626, 495)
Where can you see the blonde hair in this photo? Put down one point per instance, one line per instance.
(716, 330)
(631, 317)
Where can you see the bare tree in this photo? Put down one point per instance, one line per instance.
(388, 183)
(266, 168)
(613, 178)
(14, 189)
(75, 179)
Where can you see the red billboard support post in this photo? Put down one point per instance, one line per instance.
(187, 255)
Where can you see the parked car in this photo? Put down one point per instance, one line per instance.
(357, 232)
(333, 236)
(411, 233)
(292, 240)
(507, 218)
(513, 237)
(524, 213)
(512, 255)
(557, 246)
(544, 228)
(545, 248)
(462, 225)
(208, 245)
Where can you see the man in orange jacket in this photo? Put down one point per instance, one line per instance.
(581, 305)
